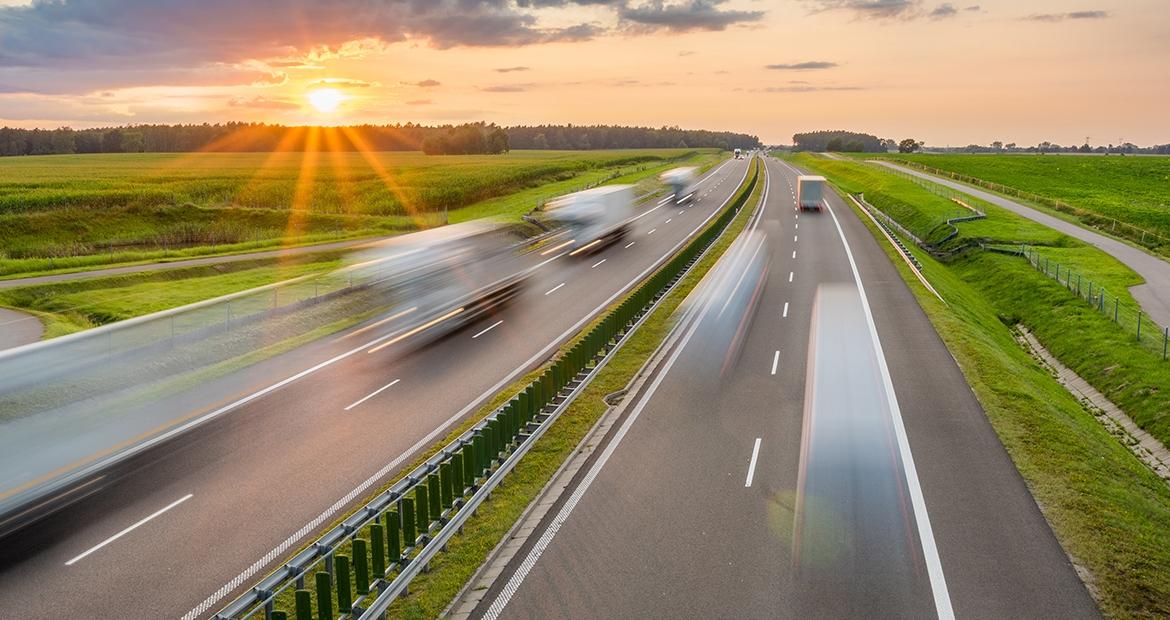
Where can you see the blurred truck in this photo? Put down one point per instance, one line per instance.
(681, 182)
(810, 192)
(738, 154)
(595, 217)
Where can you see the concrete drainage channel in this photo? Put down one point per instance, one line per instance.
(405, 526)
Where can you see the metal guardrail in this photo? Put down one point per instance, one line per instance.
(1148, 333)
(409, 523)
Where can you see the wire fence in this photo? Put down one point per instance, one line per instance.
(1147, 332)
(1146, 238)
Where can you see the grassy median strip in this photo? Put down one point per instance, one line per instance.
(1109, 511)
(433, 591)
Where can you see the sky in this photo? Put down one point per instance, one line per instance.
(947, 73)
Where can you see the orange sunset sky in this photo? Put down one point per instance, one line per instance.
(953, 73)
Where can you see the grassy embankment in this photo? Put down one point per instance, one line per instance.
(68, 307)
(432, 591)
(1109, 511)
(80, 211)
(1131, 190)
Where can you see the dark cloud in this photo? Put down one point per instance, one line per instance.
(426, 83)
(506, 88)
(871, 9)
(1059, 17)
(511, 69)
(810, 65)
(692, 15)
(944, 10)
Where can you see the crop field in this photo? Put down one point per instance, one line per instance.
(1134, 190)
(78, 210)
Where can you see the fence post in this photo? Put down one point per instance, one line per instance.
(1165, 341)
(1116, 300)
(1139, 325)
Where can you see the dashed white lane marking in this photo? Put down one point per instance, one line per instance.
(794, 254)
(651, 231)
(669, 219)
(488, 329)
(796, 227)
(129, 529)
(775, 361)
(752, 466)
(388, 385)
(790, 274)
(554, 289)
(629, 245)
(598, 263)
(795, 238)
(785, 310)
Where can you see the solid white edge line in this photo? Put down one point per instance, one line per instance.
(373, 394)
(938, 582)
(130, 529)
(752, 466)
(554, 289)
(488, 328)
(775, 361)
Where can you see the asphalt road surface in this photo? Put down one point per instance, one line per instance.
(688, 507)
(201, 511)
(1154, 295)
(17, 328)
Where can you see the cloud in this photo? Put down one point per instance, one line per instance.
(419, 102)
(506, 88)
(425, 83)
(944, 10)
(262, 103)
(1059, 17)
(806, 89)
(871, 9)
(510, 69)
(341, 83)
(802, 66)
(686, 16)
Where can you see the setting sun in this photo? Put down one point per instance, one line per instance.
(326, 99)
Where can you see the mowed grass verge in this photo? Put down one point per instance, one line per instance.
(433, 590)
(76, 211)
(1109, 511)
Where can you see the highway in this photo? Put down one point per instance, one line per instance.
(688, 506)
(192, 522)
(1154, 295)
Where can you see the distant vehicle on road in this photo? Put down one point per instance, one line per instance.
(595, 217)
(738, 154)
(681, 182)
(810, 192)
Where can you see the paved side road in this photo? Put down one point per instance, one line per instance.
(17, 328)
(1154, 295)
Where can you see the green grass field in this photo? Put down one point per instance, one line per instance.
(1110, 512)
(73, 211)
(1134, 190)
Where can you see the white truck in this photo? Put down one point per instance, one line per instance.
(595, 217)
(810, 192)
(738, 154)
(681, 182)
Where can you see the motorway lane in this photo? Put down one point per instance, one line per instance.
(670, 527)
(257, 475)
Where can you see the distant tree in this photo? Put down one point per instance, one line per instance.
(997, 145)
(909, 145)
(1085, 148)
(834, 140)
(889, 144)
(112, 141)
(64, 141)
(540, 142)
(1011, 146)
(834, 145)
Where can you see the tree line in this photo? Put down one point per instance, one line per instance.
(467, 138)
(840, 141)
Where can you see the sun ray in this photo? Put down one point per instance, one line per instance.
(418, 217)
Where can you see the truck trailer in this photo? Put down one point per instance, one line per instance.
(681, 182)
(594, 217)
(810, 192)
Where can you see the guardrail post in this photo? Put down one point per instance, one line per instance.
(393, 546)
(446, 485)
(422, 508)
(409, 519)
(480, 448)
(278, 615)
(344, 594)
(378, 549)
(435, 494)
(324, 596)
(303, 604)
(361, 567)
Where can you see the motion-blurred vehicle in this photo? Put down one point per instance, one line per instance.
(738, 154)
(681, 182)
(448, 276)
(810, 192)
(595, 217)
